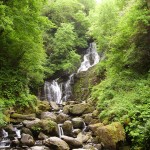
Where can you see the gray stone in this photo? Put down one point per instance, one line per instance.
(56, 143)
(61, 118)
(27, 140)
(49, 115)
(54, 105)
(42, 136)
(72, 142)
(39, 148)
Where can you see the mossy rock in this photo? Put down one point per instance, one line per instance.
(111, 134)
(46, 126)
(84, 81)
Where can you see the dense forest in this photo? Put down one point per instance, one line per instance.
(45, 39)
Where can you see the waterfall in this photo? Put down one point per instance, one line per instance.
(53, 91)
(60, 92)
(67, 87)
(90, 59)
(5, 134)
(18, 133)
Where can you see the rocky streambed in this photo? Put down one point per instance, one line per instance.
(70, 126)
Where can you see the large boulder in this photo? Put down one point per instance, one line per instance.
(42, 136)
(42, 106)
(67, 127)
(47, 126)
(49, 115)
(26, 131)
(111, 134)
(83, 137)
(56, 143)
(27, 140)
(79, 109)
(72, 142)
(78, 123)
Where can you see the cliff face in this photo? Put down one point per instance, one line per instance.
(83, 83)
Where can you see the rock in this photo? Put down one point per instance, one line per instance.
(15, 142)
(88, 118)
(66, 109)
(49, 115)
(27, 140)
(67, 127)
(83, 137)
(111, 134)
(93, 127)
(89, 147)
(78, 123)
(47, 126)
(42, 106)
(10, 129)
(26, 131)
(23, 117)
(95, 113)
(61, 118)
(31, 123)
(39, 148)
(72, 142)
(42, 136)
(54, 105)
(56, 143)
(76, 132)
(78, 109)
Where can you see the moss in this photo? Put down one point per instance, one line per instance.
(84, 81)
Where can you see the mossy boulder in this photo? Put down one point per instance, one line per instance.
(79, 109)
(111, 134)
(94, 127)
(22, 116)
(47, 126)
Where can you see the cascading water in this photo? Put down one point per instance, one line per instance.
(90, 59)
(61, 92)
(53, 91)
(60, 130)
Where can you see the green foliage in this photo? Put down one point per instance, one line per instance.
(123, 33)
(63, 56)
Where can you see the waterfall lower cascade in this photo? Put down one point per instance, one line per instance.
(60, 92)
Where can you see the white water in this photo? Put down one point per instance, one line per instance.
(53, 91)
(90, 59)
(18, 132)
(60, 130)
(5, 134)
(62, 92)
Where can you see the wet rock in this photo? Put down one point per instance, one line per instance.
(39, 148)
(26, 131)
(49, 115)
(27, 140)
(72, 142)
(94, 127)
(78, 122)
(15, 142)
(54, 105)
(56, 143)
(61, 118)
(111, 134)
(67, 127)
(42, 136)
(10, 129)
